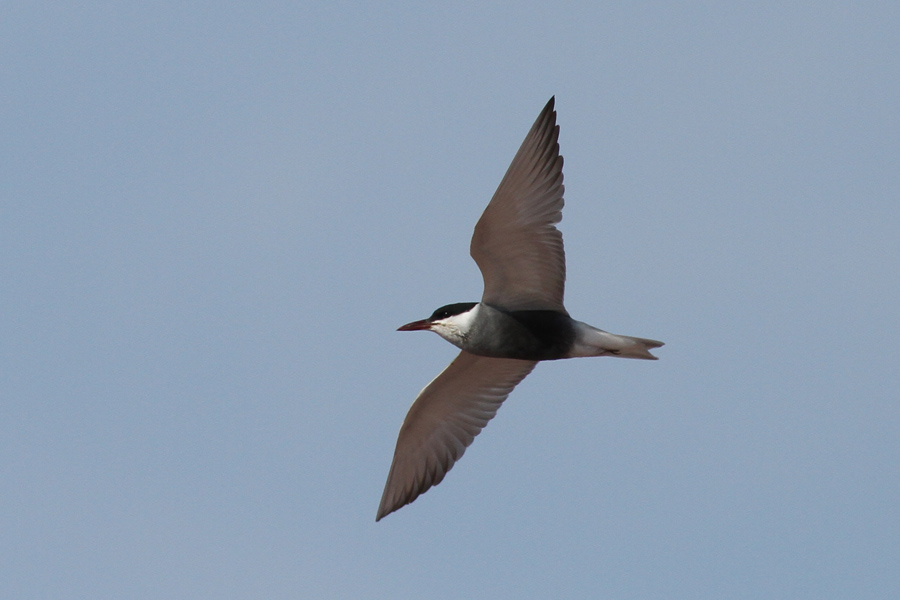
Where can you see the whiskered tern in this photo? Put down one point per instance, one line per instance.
(520, 320)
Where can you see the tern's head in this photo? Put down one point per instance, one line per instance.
(451, 322)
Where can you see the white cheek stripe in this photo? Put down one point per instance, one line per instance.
(455, 328)
(464, 321)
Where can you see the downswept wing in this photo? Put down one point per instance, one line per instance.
(444, 420)
(516, 243)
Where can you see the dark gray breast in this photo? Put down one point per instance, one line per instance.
(523, 334)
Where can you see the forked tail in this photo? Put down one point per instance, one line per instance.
(591, 341)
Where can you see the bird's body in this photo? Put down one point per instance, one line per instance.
(520, 320)
(486, 330)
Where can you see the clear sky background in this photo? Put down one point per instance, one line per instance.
(213, 217)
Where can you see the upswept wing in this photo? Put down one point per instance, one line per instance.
(516, 243)
(444, 420)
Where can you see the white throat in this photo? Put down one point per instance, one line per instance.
(456, 329)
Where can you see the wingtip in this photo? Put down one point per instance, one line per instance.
(383, 511)
(385, 508)
(551, 103)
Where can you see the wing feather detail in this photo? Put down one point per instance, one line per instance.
(516, 243)
(443, 422)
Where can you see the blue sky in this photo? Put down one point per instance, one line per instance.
(213, 216)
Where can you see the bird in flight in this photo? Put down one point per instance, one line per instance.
(520, 320)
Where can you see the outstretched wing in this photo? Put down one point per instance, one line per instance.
(444, 420)
(516, 243)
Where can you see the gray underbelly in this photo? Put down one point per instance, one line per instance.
(525, 335)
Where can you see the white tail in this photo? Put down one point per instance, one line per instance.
(591, 341)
